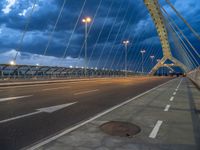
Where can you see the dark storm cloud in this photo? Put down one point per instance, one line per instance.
(133, 21)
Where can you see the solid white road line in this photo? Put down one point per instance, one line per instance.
(49, 81)
(155, 130)
(43, 83)
(172, 98)
(13, 98)
(85, 92)
(58, 88)
(174, 93)
(167, 108)
(48, 140)
(22, 86)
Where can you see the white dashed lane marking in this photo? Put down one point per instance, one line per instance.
(156, 129)
(167, 108)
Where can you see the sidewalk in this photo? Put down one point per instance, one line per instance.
(167, 116)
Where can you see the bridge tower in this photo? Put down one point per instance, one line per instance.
(158, 19)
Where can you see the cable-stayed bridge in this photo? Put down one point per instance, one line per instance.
(187, 57)
(118, 95)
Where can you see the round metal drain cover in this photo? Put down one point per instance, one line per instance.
(122, 129)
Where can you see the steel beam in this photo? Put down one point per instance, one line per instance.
(157, 17)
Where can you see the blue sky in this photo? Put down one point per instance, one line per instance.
(115, 20)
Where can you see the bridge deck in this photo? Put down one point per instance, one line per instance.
(166, 123)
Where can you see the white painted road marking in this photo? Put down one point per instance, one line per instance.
(179, 84)
(155, 130)
(176, 90)
(23, 86)
(85, 92)
(174, 93)
(58, 88)
(41, 110)
(172, 98)
(13, 98)
(167, 108)
(46, 141)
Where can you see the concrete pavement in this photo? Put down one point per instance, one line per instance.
(30, 113)
(168, 117)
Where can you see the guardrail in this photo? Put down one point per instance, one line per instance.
(195, 76)
(27, 72)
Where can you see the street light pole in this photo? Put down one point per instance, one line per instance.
(86, 21)
(126, 51)
(142, 52)
(152, 59)
(158, 61)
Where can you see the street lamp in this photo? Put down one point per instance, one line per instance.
(142, 52)
(86, 21)
(152, 59)
(12, 63)
(126, 49)
(158, 60)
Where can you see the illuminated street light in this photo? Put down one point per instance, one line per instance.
(152, 59)
(126, 50)
(152, 56)
(142, 52)
(12, 63)
(158, 60)
(86, 21)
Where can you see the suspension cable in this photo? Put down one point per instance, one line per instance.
(75, 26)
(54, 28)
(173, 22)
(25, 30)
(93, 20)
(179, 47)
(104, 47)
(179, 15)
(111, 30)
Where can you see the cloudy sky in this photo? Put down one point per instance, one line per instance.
(112, 21)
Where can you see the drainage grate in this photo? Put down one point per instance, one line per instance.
(122, 129)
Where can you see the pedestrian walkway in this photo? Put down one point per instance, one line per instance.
(168, 118)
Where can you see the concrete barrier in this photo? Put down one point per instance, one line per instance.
(195, 76)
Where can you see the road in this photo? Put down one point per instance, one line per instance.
(27, 114)
(167, 116)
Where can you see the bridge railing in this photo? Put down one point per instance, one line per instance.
(47, 72)
(195, 76)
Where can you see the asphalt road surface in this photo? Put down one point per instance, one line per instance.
(31, 113)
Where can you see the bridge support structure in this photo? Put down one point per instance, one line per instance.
(158, 19)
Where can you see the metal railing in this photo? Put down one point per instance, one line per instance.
(28, 72)
(195, 76)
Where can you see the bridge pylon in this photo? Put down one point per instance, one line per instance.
(158, 19)
(162, 63)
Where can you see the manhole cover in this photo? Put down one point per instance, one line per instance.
(122, 129)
